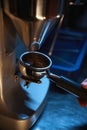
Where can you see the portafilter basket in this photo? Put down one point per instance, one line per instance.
(34, 65)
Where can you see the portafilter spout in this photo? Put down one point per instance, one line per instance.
(34, 19)
(35, 65)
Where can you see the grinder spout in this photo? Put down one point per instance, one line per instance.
(34, 19)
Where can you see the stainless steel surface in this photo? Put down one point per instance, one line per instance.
(25, 104)
(21, 103)
(56, 33)
(33, 65)
(30, 18)
(30, 10)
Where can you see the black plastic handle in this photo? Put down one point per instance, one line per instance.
(69, 86)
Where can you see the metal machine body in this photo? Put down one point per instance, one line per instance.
(22, 103)
(20, 106)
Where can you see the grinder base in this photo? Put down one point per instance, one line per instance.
(29, 110)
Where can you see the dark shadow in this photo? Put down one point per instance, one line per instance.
(83, 127)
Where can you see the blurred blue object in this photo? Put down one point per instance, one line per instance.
(68, 52)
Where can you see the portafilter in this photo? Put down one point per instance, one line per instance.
(36, 65)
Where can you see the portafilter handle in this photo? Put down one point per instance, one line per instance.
(69, 86)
